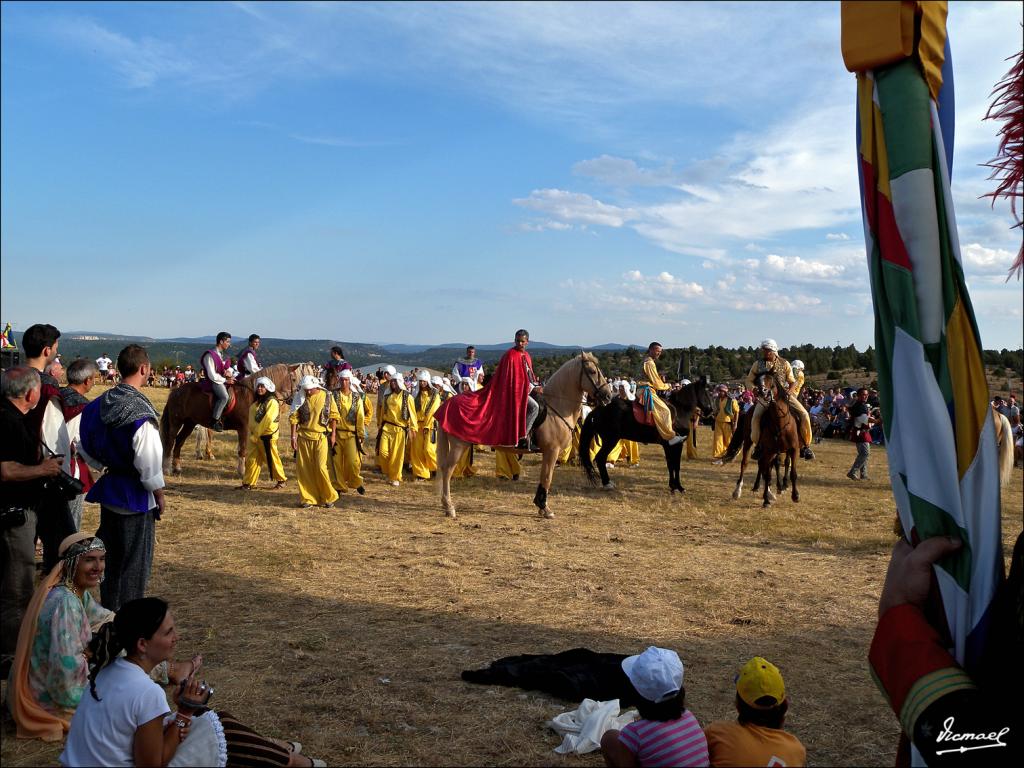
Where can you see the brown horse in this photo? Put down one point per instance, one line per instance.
(779, 436)
(563, 393)
(189, 406)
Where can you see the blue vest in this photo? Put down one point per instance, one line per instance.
(120, 486)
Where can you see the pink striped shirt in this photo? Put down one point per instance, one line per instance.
(671, 743)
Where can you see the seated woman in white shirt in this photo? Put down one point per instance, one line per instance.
(123, 719)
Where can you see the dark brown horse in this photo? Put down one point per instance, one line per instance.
(779, 437)
(189, 406)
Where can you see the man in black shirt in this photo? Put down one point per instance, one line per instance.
(21, 476)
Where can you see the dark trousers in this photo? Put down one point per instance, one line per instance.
(54, 523)
(17, 581)
(129, 540)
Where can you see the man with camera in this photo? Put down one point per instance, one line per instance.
(22, 473)
(119, 431)
(53, 515)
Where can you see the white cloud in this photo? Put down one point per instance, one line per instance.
(575, 207)
(796, 267)
(977, 258)
(837, 236)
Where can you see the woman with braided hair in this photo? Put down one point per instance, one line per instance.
(124, 719)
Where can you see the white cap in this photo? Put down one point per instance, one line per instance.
(390, 370)
(345, 374)
(310, 382)
(770, 344)
(437, 381)
(798, 364)
(265, 382)
(423, 376)
(400, 380)
(657, 673)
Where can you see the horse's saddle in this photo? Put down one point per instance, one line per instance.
(206, 387)
(643, 417)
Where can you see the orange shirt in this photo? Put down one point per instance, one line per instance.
(743, 744)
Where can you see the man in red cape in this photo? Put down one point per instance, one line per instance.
(498, 413)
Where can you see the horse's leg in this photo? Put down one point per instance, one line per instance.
(449, 451)
(757, 480)
(785, 475)
(179, 441)
(243, 444)
(791, 461)
(547, 470)
(674, 457)
(743, 468)
(601, 459)
(766, 470)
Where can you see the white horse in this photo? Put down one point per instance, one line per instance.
(563, 393)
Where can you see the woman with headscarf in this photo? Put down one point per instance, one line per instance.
(396, 415)
(264, 414)
(49, 671)
(726, 413)
(317, 421)
(351, 404)
(423, 446)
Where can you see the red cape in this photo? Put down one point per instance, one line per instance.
(496, 413)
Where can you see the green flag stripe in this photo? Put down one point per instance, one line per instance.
(930, 520)
(903, 102)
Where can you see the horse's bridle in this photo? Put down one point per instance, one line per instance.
(593, 384)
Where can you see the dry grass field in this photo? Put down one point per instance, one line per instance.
(347, 628)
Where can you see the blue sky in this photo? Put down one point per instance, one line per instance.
(427, 173)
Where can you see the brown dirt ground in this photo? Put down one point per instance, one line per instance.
(347, 628)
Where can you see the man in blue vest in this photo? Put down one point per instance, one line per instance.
(119, 431)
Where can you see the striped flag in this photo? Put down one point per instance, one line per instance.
(935, 401)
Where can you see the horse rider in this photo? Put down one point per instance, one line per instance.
(470, 366)
(782, 373)
(650, 390)
(337, 364)
(215, 365)
(522, 341)
(248, 363)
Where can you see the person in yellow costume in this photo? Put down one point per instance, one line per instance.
(630, 449)
(263, 428)
(506, 464)
(726, 413)
(314, 422)
(395, 416)
(423, 446)
(465, 466)
(351, 405)
(650, 390)
(782, 373)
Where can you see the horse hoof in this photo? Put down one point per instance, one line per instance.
(796, 497)
(737, 493)
(450, 513)
(547, 514)
(766, 505)
(609, 486)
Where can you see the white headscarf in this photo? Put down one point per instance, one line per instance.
(770, 344)
(390, 370)
(266, 383)
(423, 376)
(310, 382)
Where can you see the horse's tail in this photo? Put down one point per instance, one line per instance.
(1005, 431)
(165, 424)
(586, 438)
(738, 436)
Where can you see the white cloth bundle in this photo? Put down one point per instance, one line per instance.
(584, 727)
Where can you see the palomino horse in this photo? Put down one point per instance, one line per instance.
(563, 393)
(779, 436)
(615, 421)
(189, 406)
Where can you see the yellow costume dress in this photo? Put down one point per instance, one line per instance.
(507, 464)
(631, 448)
(351, 424)
(396, 415)
(649, 391)
(726, 412)
(783, 372)
(315, 418)
(263, 423)
(423, 445)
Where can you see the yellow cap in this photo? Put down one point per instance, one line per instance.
(759, 678)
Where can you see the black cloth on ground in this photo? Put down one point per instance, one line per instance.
(570, 675)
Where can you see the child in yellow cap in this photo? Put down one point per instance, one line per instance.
(756, 737)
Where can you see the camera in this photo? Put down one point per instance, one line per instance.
(64, 485)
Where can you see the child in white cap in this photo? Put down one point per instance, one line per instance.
(667, 734)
